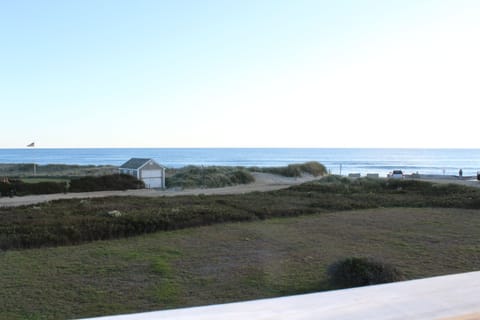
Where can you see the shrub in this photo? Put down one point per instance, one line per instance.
(104, 183)
(356, 272)
(41, 188)
(314, 168)
(19, 188)
(241, 177)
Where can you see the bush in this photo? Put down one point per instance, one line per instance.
(41, 188)
(105, 183)
(241, 177)
(19, 188)
(314, 168)
(357, 272)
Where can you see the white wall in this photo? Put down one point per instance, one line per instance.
(435, 298)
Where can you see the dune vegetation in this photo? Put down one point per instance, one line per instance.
(295, 170)
(53, 170)
(17, 179)
(207, 177)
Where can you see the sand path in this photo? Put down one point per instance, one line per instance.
(263, 182)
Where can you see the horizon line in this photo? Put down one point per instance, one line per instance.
(243, 147)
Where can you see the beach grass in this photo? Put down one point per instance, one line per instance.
(313, 168)
(207, 177)
(22, 170)
(231, 262)
(185, 177)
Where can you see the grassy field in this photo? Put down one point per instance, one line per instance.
(231, 262)
(126, 254)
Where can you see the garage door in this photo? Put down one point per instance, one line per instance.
(153, 182)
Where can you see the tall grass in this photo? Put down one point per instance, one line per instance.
(48, 170)
(295, 170)
(208, 177)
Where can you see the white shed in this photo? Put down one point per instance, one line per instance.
(147, 170)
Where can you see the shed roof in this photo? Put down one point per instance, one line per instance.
(137, 163)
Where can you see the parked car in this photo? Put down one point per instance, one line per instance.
(478, 175)
(396, 174)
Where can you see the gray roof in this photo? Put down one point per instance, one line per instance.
(135, 163)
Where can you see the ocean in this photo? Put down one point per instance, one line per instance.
(337, 161)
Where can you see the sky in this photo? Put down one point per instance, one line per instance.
(240, 73)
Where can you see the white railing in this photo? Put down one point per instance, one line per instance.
(440, 298)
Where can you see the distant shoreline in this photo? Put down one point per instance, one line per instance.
(336, 160)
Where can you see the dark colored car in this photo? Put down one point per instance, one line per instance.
(396, 174)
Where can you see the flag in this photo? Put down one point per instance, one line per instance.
(31, 145)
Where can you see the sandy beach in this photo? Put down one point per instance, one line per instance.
(263, 182)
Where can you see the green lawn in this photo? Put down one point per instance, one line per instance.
(231, 262)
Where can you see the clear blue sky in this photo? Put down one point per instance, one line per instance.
(244, 73)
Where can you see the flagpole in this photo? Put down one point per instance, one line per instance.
(32, 145)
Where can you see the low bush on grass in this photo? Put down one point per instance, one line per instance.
(106, 182)
(357, 272)
(83, 184)
(19, 188)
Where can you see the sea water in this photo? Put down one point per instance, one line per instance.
(337, 161)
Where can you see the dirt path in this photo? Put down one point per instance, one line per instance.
(263, 182)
